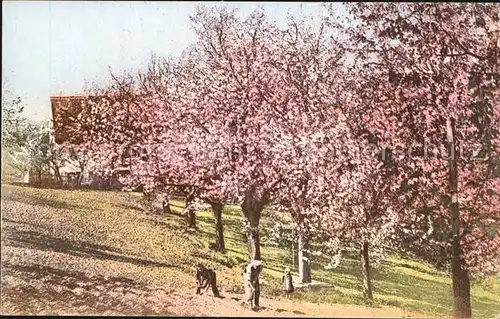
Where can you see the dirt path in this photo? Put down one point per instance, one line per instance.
(30, 300)
(30, 290)
(282, 308)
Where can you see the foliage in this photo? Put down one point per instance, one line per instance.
(415, 75)
(13, 123)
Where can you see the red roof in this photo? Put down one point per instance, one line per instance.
(67, 113)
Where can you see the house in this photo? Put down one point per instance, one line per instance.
(67, 114)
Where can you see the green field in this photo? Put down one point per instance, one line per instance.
(113, 226)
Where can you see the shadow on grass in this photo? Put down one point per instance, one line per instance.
(130, 206)
(415, 290)
(64, 187)
(7, 220)
(229, 223)
(418, 293)
(12, 195)
(73, 290)
(268, 267)
(236, 252)
(347, 266)
(421, 269)
(332, 296)
(152, 208)
(148, 209)
(39, 241)
(231, 228)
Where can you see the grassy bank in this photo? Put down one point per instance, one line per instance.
(110, 233)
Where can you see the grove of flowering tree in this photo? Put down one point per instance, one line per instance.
(357, 152)
(253, 81)
(159, 148)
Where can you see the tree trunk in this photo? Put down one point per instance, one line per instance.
(460, 275)
(82, 172)
(219, 229)
(80, 178)
(367, 276)
(461, 286)
(252, 207)
(253, 238)
(189, 212)
(256, 296)
(57, 173)
(191, 219)
(304, 259)
(166, 207)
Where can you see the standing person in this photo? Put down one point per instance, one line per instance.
(251, 283)
(287, 283)
(206, 278)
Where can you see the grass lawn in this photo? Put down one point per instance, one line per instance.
(399, 282)
(111, 226)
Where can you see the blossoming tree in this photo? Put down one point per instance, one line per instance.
(429, 77)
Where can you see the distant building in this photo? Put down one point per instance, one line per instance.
(67, 114)
(67, 111)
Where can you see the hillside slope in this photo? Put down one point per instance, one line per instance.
(98, 253)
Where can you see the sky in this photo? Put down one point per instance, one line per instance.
(55, 47)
